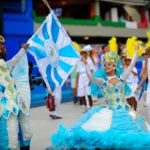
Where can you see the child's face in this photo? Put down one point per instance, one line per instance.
(145, 56)
(128, 62)
(84, 54)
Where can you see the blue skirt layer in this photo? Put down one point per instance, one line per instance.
(124, 133)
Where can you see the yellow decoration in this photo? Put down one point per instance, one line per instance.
(2, 40)
(131, 47)
(113, 47)
(112, 55)
(148, 42)
(77, 46)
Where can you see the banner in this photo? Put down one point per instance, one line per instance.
(54, 52)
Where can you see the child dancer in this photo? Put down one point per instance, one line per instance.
(83, 82)
(132, 81)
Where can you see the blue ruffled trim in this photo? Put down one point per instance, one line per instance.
(77, 138)
(4, 143)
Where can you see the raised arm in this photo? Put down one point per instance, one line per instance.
(91, 77)
(18, 56)
(126, 73)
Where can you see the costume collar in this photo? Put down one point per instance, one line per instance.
(111, 77)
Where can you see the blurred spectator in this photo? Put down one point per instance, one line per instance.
(105, 49)
(125, 17)
(95, 59)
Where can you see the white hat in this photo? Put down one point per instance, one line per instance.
(87, 48)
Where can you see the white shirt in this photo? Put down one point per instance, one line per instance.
(83, 78)
(132, 80)
(81, 68)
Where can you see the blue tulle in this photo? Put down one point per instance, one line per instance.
(77, 138)
(91, 140)
(97, 92)
(4, 143)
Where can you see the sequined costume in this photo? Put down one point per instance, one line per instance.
(114, 126)
(14, 110)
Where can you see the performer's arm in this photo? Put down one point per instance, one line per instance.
(134, 72)
(90, 75)
(125, 75)
(144, 75)
(18, 56)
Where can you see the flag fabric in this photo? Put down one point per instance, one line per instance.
(54, 52)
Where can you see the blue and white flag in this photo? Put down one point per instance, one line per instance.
(54, 52)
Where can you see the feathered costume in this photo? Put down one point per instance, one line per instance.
(115, 126)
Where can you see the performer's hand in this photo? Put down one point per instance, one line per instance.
(25, 46)
(84, 60)
(138, 88)
(137, 45)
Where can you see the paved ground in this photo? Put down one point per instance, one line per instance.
(43, 126)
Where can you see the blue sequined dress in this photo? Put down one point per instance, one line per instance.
(115, 126)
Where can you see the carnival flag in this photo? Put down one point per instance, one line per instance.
(54, 52)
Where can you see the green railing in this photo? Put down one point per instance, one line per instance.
(89, 22)
(111, 24)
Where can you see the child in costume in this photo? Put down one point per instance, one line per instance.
(15, 129)
(83, 82)
(132, 79)
(115, 126)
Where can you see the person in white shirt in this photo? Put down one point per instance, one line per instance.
(83, 82)
(132, 81)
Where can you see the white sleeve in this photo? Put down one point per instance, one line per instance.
(135, 70)
(91, 77)
(126, 73)
(16, 58)
(90, 63)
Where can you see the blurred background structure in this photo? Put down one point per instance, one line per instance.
(87, 22)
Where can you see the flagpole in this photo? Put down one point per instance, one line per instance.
(47, 4)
